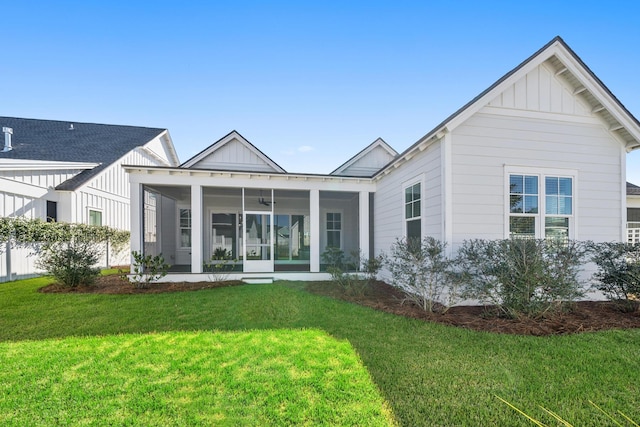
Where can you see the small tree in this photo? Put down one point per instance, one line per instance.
(424, 273)
(618, 274)
(70, 263)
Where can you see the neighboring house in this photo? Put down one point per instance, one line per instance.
(71, 172)
(633, 213)
(540, 153)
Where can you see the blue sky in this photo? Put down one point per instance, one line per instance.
(310, 84)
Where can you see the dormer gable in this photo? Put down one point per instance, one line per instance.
(234, 153)
(368, 161)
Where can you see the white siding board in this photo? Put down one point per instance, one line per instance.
(533, 90)
(369, 164)
(234, 156)
(158, 148)
(509, 98)
(389, 203)
(520, 93)
(542, 90)
(484, 144)
(39, 178)
(545, 89)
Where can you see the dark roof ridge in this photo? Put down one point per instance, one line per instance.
(80, 123)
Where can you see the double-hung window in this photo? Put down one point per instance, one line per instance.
(523, 205)
(412, 212)
(558, 206)
(334, 230)
(541, 205)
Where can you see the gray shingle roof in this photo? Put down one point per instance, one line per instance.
(633, 190)
(54, 140)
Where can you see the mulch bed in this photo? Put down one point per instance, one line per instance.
(114, 284)
(584, 316)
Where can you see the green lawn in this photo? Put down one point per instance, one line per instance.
(266, 377)
(132, 348)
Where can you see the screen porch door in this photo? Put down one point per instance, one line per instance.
(258, 242)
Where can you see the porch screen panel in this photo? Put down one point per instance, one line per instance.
(224, 236)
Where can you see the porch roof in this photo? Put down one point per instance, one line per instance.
(224, 178)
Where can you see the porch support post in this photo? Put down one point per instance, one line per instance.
(314, 223)
(136, 219)
(196, 229)
(363, 223)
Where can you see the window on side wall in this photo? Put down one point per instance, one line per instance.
(185, 227)
(52, 211)
(412, 213)
(541, 206)
(95, 217)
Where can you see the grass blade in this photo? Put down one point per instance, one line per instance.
(607, 415)
(533, 420)
(629, 419)
(557, 417)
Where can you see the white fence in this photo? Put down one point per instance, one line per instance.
(20, 262)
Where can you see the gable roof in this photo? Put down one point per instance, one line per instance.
(378, 144)
(567, 63)
(250, 159)
(53, 140)
(632, 190)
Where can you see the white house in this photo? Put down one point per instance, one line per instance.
(633, 213)
(71, 172)
(539, 153)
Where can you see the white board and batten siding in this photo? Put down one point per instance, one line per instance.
(25, 192)
(236, 156)
(369, 164)
(535, 123)
(108, 193)
(425, 167)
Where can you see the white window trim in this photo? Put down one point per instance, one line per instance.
(91, 208)
(418, 179)
(325, 240)
(541, 173)
(178, 228)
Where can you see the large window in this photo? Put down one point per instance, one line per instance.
(185, 227)
(412, 212)
(540, 206)
(334, 230)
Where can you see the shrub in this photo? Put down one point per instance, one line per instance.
(220, 265)
(618, 274)
(424, 273)
(522, 276)
(147, 269)
(370, 267)
(338, 265)
(70, 263)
